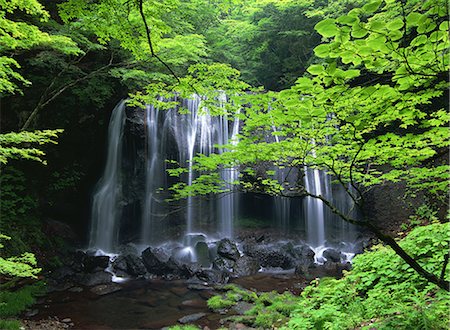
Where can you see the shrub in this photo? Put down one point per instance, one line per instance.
(382, 291)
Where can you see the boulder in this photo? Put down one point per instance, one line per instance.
(191, 318)
(213, 276)
(155, 260)
(269, 256)
(332, 255)
(180, 268)
(227, 249)
(135, 266)
(223, 264)
(202, 254)
(246, 266)
(95, 263)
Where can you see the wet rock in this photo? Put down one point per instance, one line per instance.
(336, 268)
(193, 239)
(332, 255)
(223, 264)
(181, 269)
(66, 320)
(304, 269)
(242, 307)
(104, 289)
(246, 266)
(95, 263)
(198, 287)
(269, 256)
(202, 253)
(76, 289)
(155, 260)
(213, 276)
(135, 266)
(31, 313)
(93, 279)
(120, 266)
(227, 249)
(191, 318)
(193, 303)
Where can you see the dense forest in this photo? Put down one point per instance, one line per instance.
(235, 164)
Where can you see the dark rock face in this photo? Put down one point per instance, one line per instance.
(332, 255)
(95, 263)
(155, 260)
(223, 264)
(246, 266)
(213, 276)
(135, 266)
(228, 249)
(269, 256)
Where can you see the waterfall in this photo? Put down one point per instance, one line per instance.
(106, 209)
(315, 209)
(155, 174)
(129, 203)
(228, 202)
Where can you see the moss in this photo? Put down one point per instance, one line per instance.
(184, 327)
(219, 302)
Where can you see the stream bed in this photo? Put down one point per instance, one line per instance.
(154, 304)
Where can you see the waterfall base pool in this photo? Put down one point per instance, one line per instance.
(155, 304)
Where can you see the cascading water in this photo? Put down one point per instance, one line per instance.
(106, 209)
(129, 204)
(315, 212)
(154, 178)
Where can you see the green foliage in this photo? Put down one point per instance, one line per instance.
(19, 145)
(18, 266)
(10, 324)
(425, 214)
(13, 303)
(20, 35)
(381, 291)
(270, 42)
(184, 327)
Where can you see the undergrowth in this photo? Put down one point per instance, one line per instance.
(380, 292)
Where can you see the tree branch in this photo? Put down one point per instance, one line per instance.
(150, 43)
(43, 101)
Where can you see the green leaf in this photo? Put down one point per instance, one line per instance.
(413, 18)
(444, 26)
(316, 69)
(358, 31)
(322, 50)
(395, 24)
(351, 74)
(372, 6)
(348, 20)
(327, 28)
